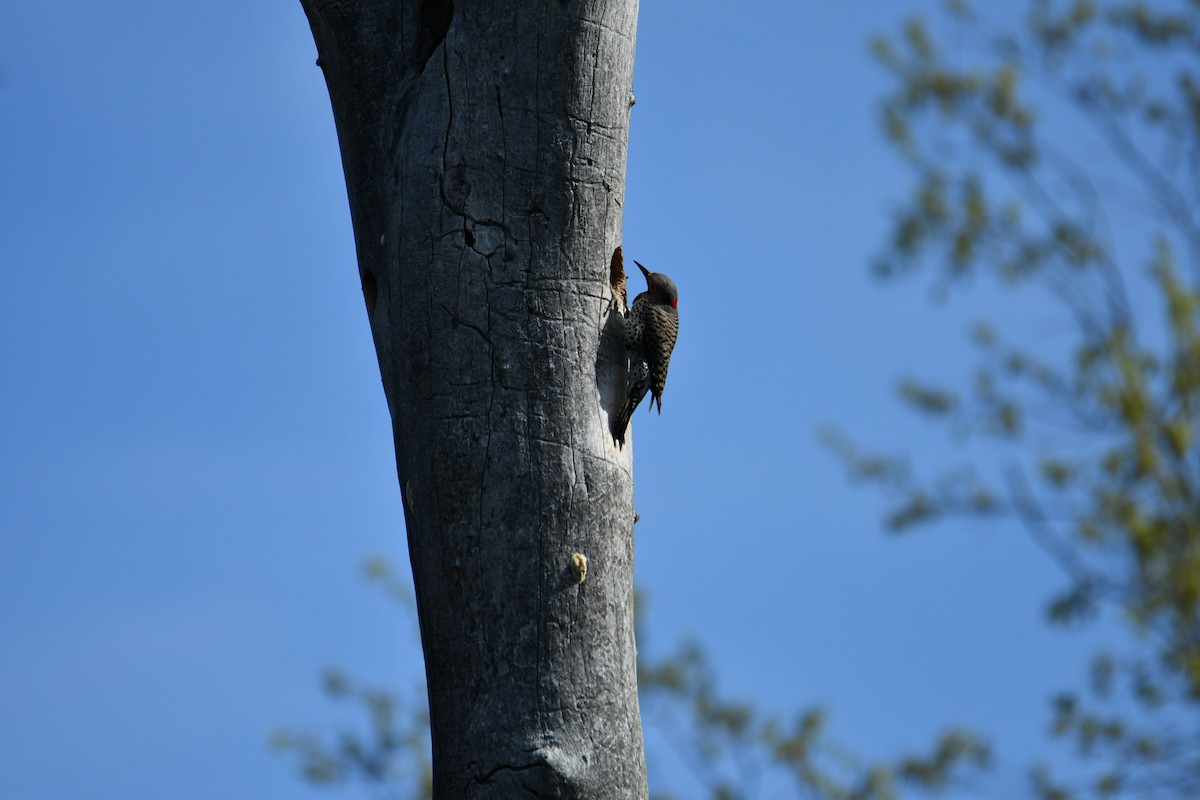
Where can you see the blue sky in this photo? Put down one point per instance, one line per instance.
(195, 455)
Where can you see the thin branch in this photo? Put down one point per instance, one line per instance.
(1029, 511)
(1171, 200)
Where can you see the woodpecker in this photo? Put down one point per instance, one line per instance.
(651, 327)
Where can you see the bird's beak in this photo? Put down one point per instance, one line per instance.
(645, 271)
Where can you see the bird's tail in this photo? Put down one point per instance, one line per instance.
(637, 384)
(620, 423)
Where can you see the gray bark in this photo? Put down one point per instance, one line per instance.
(484, 145)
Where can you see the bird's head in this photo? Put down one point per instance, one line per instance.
(661, 287)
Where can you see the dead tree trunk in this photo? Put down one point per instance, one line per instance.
(484, 145)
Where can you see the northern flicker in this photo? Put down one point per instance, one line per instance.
(651, 327)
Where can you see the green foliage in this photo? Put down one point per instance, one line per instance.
(1095, 432)
(392, 758)
(733, 747)
(730, 746)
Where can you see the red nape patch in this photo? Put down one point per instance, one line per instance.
(675, 304)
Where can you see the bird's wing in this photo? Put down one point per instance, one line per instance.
(659, 338)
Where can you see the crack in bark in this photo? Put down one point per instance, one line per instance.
(490, 777)
(460, 321)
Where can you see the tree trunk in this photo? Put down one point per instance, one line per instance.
(484, 145)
